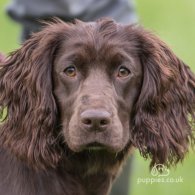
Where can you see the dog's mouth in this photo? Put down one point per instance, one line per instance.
(95, 146)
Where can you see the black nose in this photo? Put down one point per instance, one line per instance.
(95, 119)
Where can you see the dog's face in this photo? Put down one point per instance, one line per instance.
(97, 82)
(96, 86)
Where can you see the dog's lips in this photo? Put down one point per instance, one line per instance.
(95, 146)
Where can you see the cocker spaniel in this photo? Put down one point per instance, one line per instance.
(80, 97)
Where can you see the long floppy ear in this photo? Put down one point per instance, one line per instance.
(164, 118)
(26, 91)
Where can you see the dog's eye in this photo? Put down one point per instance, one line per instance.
(70, 71)
(123, 72)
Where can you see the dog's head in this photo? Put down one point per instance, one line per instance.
(96, 86)
(97, 79)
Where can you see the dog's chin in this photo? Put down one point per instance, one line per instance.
(95, 147)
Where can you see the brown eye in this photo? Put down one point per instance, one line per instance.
(123, 72)
(70, 71)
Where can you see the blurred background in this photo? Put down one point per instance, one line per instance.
(174, 22)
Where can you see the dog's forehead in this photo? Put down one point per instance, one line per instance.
(91, 23)
(103, 26)
(96, 33)
(96, 40)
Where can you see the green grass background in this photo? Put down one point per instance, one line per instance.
(174, 22)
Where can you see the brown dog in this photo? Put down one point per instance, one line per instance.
(80, 97)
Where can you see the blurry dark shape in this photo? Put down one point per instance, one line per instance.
(29, 13)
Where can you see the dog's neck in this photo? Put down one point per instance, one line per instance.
(95, 181)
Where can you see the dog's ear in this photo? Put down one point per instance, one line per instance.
(164, 119)
(26, 91)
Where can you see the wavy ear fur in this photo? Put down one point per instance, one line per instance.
(164, 118)
(26, 89)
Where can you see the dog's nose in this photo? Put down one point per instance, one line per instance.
(95, 119)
